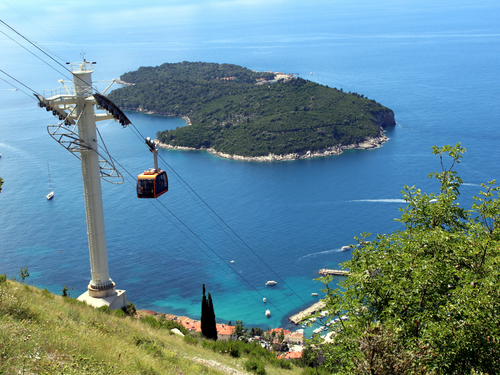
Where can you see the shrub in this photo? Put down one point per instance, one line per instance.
(190, 339)
(3, 278)
(152, 321)
(119, 313)
(283, 364)
(104, 309)
(170, 324)
(130, 309)
(254, 365)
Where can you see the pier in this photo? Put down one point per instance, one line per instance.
(297, 318)
(324, 272)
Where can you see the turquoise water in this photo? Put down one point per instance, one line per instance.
(436, 66)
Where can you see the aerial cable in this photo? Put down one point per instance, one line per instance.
(52, 36)
(8, 75)
(205, 204)
(233, 232)
(177, 175)
(38, 57)
(204, 243)
(17, 88)
(45, 53)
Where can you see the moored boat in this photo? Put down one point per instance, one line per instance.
(51, 191)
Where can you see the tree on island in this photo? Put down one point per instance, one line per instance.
(424, 299)
(208, 324)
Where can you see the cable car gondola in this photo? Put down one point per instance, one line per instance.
(153, 182)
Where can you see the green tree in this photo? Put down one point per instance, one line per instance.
(23, 274)
(1, 183)
(207, 319)
(424, 299)
(256, 331)
(204, 314)
(239, 329)
(211, 321)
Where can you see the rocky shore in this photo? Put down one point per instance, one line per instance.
(335, 150)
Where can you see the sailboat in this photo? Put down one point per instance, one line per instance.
(51, 191)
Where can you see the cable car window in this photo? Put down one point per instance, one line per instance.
(161, 184)
(146, 188)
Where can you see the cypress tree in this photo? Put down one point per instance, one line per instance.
(204, 315)
(211, 318)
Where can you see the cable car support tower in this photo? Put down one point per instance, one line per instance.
(77, 132)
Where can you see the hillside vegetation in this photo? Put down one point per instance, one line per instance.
(237, 111)
(41, 333)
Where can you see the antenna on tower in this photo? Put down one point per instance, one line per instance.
(75, 107)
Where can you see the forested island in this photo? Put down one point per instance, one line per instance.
(238, 113)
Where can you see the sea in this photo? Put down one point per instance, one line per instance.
(234, 225)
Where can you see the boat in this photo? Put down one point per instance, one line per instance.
(264, 299)
(271, 282)
(345, 248)
(51, 191)
(232, 261)
(314, 294)
(268, 313)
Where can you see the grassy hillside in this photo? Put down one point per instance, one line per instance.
(237, 111)
(41, 333)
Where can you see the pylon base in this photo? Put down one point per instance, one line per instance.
(116, 300)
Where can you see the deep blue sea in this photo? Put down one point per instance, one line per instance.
(435, 64)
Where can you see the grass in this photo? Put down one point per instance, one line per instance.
(47, 334)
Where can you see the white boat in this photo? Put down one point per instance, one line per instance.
(51, 191)
(314, 294)
(264, 299)
(232, 261)
(271, 282)
(345, 248)
(268, 313)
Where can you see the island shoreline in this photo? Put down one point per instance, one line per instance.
(371, 143)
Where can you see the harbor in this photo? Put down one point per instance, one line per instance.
(325, 272)
(297, 318)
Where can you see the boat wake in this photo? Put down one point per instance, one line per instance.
(339, 250)
(380, 200)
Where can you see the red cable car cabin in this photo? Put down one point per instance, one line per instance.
(152, 183)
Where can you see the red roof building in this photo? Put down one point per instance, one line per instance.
(225, 332)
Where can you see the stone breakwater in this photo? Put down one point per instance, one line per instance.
(335, 150)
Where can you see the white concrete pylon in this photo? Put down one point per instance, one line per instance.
(80, 105)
